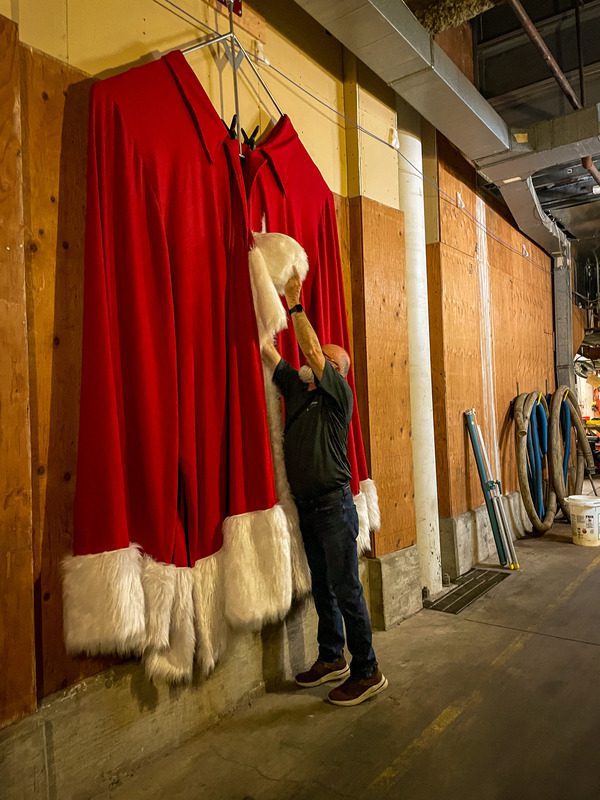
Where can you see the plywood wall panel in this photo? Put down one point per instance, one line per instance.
(17, 640)
(55, 131)
(361, 374)
(579, 325)
(438, 375)
(521, 296)
(342, 213)
(386, 333)
(457, 43)
(461, 303)
(520, 312)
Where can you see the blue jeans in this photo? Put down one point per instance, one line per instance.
(329, 526)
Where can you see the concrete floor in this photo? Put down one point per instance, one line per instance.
(499, 702)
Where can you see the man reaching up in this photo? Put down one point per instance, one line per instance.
(317, 417)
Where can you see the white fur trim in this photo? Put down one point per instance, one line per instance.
(175, 662)
(363, 542)
(271, 316)
(159, 591)
(256, 552)
(306, 374)
(369, 489)
(104, 602)
(301, 583)
(209, 611)
(283, 256)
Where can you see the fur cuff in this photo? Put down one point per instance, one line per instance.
(159, 593)
(270, 313)
(301, 583)
(209, 605)
(256, 553)
(174, 662)
(103, 603)
(369, 489)
(283, 256)
(363, 542)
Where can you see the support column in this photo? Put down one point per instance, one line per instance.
(421, 400)
(377, 261)
(563, 320)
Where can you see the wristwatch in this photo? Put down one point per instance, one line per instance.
(295, 309)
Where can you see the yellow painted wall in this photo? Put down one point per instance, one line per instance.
(103, 36)
(377, 114)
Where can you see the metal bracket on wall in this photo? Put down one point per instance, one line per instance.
(237, 6)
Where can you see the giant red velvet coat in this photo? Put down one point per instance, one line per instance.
(172, 400)
(175, 467)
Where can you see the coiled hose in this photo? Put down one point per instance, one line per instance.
(565, 416)
(531, 429)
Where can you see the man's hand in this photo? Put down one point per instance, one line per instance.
(292, 291)
(305, 333)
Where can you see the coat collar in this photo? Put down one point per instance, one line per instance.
(278, 147)
(208, 123)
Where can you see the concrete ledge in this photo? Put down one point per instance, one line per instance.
(467, 540)
(394, 587)
(85, 740)
(289, 647)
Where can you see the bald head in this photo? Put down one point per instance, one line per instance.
(337, 357)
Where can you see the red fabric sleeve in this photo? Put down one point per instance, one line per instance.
(127, 458)
(251, 484)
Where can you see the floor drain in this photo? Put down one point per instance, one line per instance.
(469, 588)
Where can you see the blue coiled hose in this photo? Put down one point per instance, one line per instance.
(565, 424)
(537, 449)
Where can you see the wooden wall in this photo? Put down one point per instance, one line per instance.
(17, 651)
(457, 43)
(43, 145)
(381, 364)
(579, 325)
(40, 416)
(54, 113)
(520, 292)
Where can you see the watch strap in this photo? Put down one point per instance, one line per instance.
(295, 309)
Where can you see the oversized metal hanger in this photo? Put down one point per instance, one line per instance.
(236, 59)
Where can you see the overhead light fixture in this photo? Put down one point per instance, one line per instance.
(512, 180)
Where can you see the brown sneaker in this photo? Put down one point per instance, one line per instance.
(357, 690)
(323, 672)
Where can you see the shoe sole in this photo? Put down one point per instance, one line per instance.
(370, 692)
(331, 676)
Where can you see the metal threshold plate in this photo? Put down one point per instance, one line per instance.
(469, 588)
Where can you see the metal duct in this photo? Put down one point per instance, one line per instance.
(389, 39)
(556, 141)
(525, 207)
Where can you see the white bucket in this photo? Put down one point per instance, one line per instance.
(585, 519)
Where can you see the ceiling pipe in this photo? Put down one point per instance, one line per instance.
(578, 4)
(541, 45)
(587, 162)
